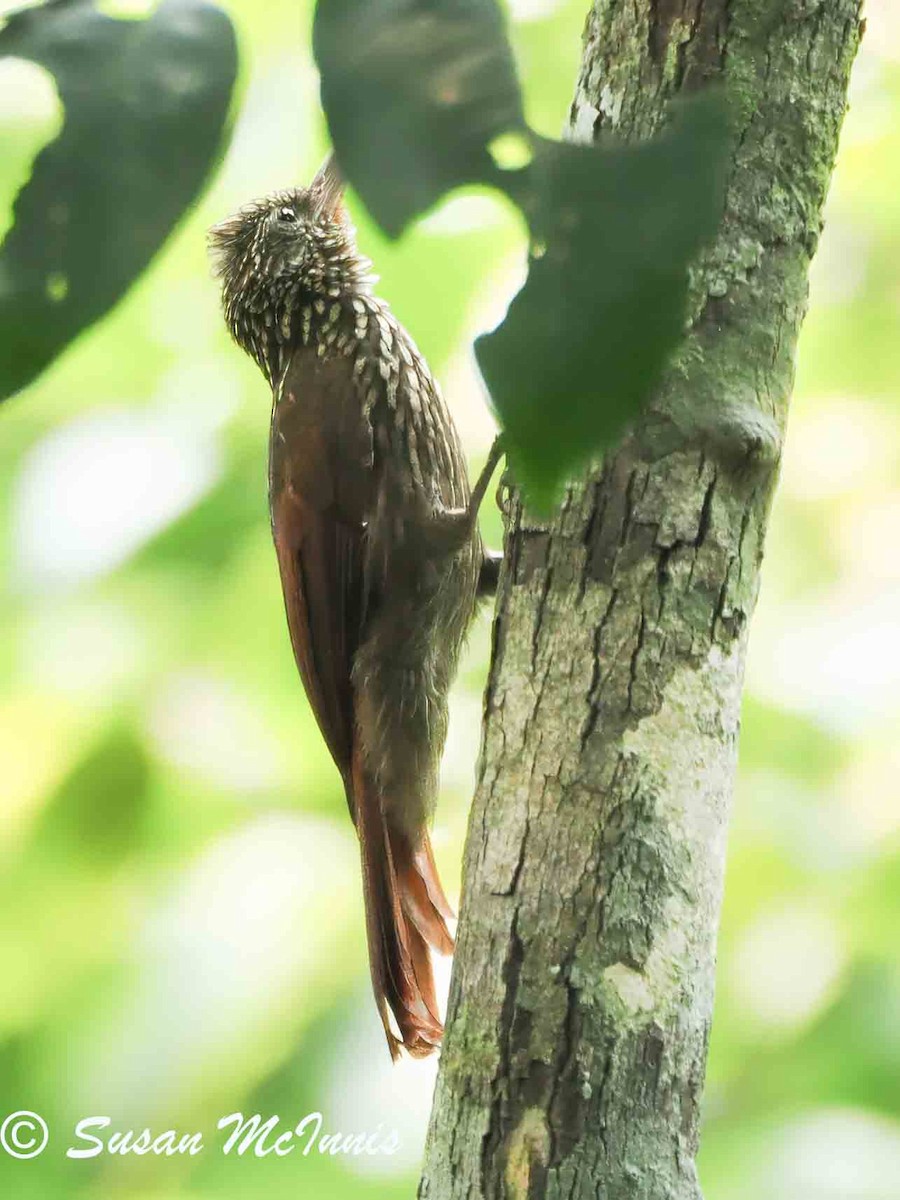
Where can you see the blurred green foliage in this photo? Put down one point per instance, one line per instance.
(180, 921)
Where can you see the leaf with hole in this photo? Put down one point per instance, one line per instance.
(146, 102)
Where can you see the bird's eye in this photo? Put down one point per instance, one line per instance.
(287, 215)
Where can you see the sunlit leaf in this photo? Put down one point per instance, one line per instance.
(145, 106)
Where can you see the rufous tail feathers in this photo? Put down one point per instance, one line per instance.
(406, 913)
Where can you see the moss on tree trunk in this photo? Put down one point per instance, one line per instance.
(583, 987)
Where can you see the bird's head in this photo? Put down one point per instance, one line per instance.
(280, 252)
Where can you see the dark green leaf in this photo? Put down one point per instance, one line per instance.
(587, 337)
(415, 92)
(145, 105)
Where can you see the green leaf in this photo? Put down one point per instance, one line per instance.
(146, 103)
(586, 339)
(415, 92)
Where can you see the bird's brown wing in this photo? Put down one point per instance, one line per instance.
(320, 560)
(320, 489)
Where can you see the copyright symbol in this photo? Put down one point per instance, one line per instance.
(24, 1135)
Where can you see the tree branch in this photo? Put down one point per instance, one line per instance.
(583, 986)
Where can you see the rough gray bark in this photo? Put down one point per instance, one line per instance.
(583, 986)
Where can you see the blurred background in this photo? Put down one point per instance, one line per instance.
(181, 934)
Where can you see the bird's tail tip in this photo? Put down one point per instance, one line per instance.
(407, 915)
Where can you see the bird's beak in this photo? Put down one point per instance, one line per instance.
(327, 189)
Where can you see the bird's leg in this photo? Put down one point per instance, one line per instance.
(487, 473)
(450, 528)
(489, 575)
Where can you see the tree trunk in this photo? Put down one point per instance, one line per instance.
(583, 987)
